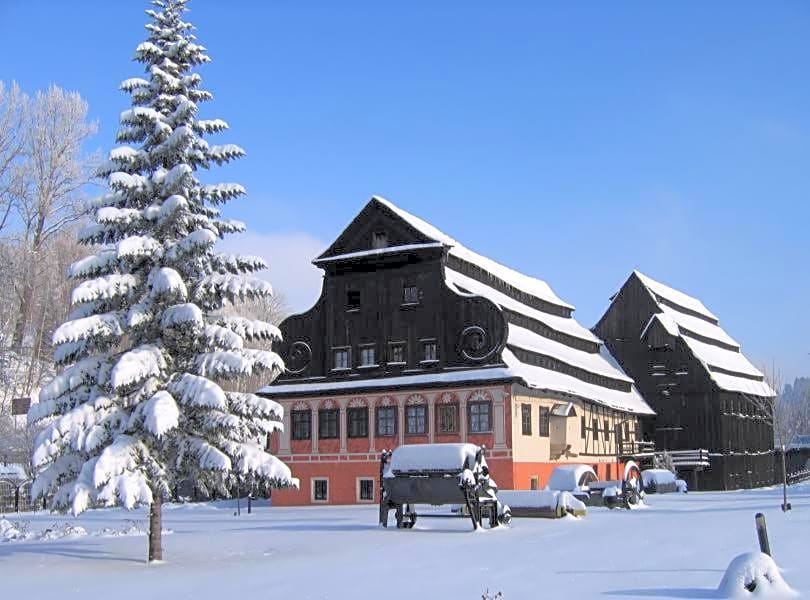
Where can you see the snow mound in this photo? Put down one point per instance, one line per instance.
(18, 532)
(8, 532)
(754, 575)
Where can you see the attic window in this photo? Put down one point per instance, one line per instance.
(353, 300)
(379, 239)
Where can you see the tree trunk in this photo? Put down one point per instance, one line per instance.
(155, 543)
(23, 314)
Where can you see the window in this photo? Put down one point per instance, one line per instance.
(353, 300)
(328, 424)
(357, 422)
(396, 353)
(595, 428)
(367, 356)
(320, 489)
(365, 489)
(410, 294)
(341, 358)
(430, 351)
(534, 483)
(387, 420)
(301, 422)
(542, 421)
(526, 418)
(415, 418)
(379, 239)
(479, 413)
(448, 418)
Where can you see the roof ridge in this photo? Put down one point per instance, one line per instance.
(533, 286)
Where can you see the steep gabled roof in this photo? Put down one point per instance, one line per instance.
(686, 317)
(530, 285)
(561, 356)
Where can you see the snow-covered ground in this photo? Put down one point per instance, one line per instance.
(678, 547)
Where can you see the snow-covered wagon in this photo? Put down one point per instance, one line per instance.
(436, 474)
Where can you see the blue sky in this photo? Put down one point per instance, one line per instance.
(572, 142)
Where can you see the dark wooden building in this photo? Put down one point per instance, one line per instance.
(704, 391)
(416, 339)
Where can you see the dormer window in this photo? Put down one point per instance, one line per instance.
(379, 239)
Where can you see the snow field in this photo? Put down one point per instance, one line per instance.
(679, 547)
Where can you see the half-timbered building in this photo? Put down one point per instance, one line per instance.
(416, 339)
(705, 392)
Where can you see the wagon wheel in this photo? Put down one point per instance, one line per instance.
(493, 516)
(634, 485)
(410, 514)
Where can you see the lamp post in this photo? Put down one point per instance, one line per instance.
(785, 504)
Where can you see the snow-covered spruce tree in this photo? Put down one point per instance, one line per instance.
(137, 406)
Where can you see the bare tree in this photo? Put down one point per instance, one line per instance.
(11, 109)
(775, 411)
(45, 184)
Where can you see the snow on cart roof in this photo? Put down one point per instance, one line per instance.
(717, 351)
(413, 458)
(565, 478)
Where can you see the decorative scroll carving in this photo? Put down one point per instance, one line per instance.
(300, 356)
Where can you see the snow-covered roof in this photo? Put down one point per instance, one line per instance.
(599, 363)
(565, 325)
(377, 252)
(530, 285)
(592, 373)
(317, 385)
(709, 343)
(595, 363)
(674, 296)
(540, 378)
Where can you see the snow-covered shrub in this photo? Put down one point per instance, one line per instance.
(754, 575)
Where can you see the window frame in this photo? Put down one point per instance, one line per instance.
(350, 413)
(425, 344)
(379, 239)
(543, 421)
(479, 403)
(453, 406)
(348, 351)
(360, 481)
(314, 481)
(322, 413)
(410, 299)
(402, 346)
(307, 421)
(424, 419)
(394, 422)
(363, 348)
(526, 419)
(354, 300)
